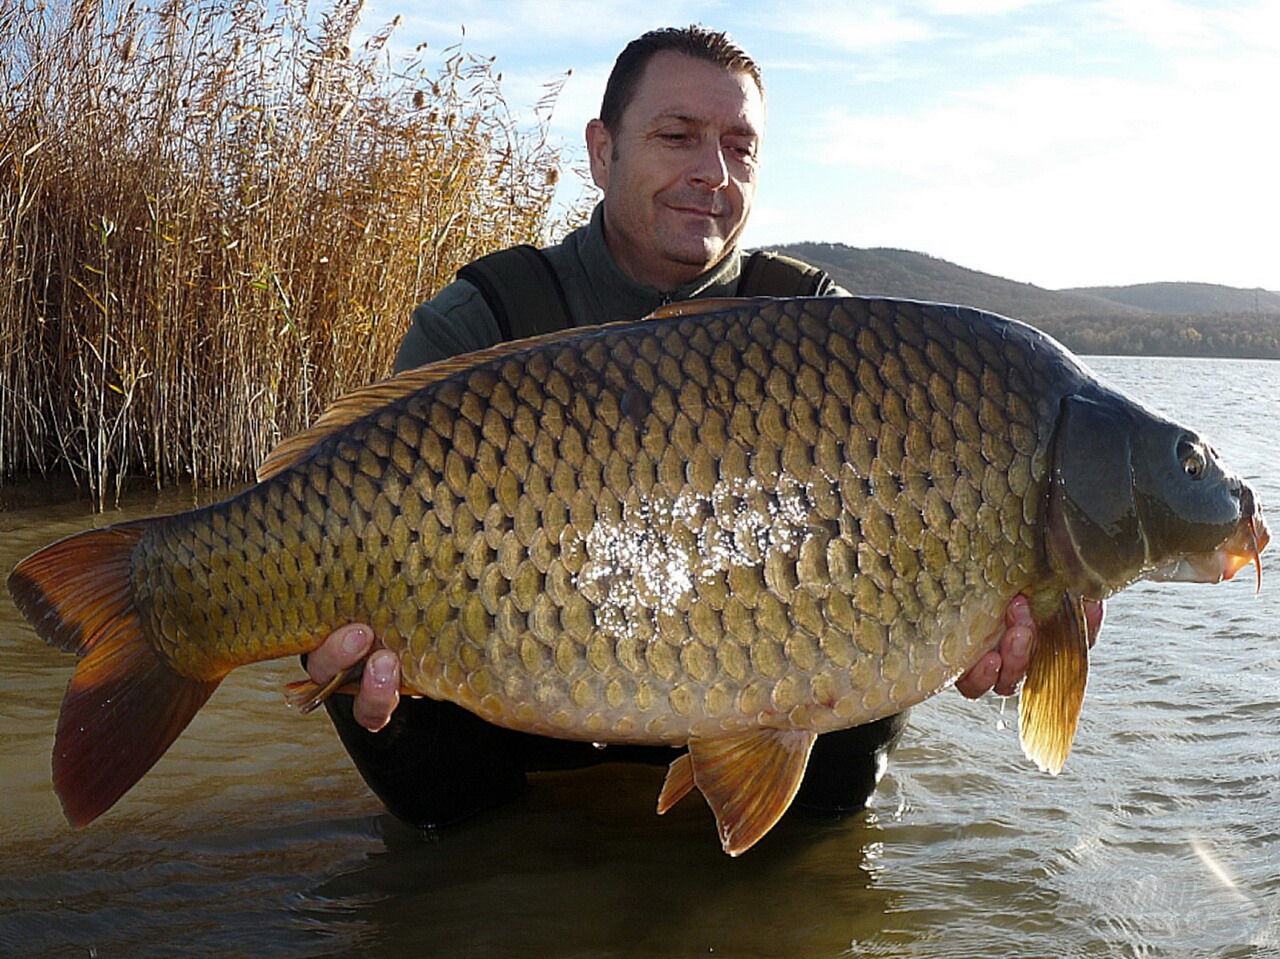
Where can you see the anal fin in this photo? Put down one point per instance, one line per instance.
(677, 784)
(748, 780)
(306, 695)
(1049, 705)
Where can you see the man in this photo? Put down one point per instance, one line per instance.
(675, 152)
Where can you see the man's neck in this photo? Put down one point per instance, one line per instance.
(664, 279)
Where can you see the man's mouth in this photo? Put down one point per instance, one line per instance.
(694, 209)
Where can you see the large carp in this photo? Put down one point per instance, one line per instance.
(733, 525)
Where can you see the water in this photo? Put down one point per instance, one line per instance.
(254, 836)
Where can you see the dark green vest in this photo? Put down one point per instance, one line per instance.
(526, 298)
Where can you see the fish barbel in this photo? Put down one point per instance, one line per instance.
(734, 525)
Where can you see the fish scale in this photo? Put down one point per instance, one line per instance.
(656, 531)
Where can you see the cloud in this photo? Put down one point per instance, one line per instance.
(844, 27)
(988, 130)
(980, 8)
(1171, 25)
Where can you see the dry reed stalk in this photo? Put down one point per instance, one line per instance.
(216, 216)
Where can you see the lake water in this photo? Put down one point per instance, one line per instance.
(254, 836)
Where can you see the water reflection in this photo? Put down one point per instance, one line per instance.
(582, 866)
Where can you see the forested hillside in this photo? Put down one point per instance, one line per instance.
(1161, 319)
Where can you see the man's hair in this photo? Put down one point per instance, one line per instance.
(698, 42)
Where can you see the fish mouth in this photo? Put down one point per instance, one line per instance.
(1242, 547)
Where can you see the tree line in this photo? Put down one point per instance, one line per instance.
(1231, 335)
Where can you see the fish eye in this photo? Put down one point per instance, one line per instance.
(1191, 456)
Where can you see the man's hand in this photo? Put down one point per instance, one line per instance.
(1004, 666)
(379, 686)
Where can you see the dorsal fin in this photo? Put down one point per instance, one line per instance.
(360, 402)
(712, 304)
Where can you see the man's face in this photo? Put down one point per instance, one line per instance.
(679, 174)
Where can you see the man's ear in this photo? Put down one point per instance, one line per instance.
(599, 152)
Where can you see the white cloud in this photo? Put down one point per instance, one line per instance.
(1173, 25)
(980, 8)
(844, 27)
(991, 130)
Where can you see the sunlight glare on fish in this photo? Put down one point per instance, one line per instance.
(651, 558)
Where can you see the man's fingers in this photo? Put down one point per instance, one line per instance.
(1015, 646)
(981, 677)
(344, 647)
(1005, 666)
(379, 690)
(1015, 657)
(379, 683)
(1018, 612)
(1094, 612)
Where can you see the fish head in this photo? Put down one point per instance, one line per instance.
(1135, 496)
(1186, 505)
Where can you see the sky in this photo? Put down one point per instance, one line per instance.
(1064, 144)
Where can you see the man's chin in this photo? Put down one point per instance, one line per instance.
(699, 255)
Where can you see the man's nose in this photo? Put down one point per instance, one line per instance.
(709, 168)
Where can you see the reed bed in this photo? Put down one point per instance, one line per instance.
(216, 216)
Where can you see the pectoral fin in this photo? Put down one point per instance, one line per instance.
(748, 780)
(1049, 706)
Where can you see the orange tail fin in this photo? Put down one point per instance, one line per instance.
(124, 706)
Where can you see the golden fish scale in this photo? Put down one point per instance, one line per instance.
(807, 513)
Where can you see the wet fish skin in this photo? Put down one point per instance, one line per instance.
(735, 529)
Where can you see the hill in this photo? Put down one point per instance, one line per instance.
(1199, 298)
(1167, 319)
(888, 272)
